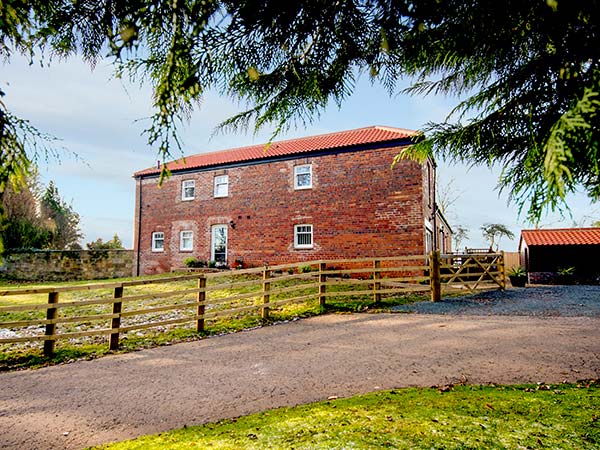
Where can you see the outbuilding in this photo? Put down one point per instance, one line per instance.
(546, 253)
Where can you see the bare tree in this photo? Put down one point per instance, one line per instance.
(459, 234)
(447, 195)
(494, 231)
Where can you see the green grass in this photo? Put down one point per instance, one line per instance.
(28, 355)
(465, 417)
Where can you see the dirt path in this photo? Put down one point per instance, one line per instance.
(124, 396)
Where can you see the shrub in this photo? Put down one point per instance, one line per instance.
(305, 269)
(193, 262)
(212, 264)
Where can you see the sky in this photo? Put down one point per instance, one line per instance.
(99, 121)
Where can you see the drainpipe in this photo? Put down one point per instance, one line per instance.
(139, 227)
(434, 218)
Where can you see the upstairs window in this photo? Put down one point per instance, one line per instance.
(158, 241)
(303, 236)
(303, 177)
(222, 186)
(186, 241)
(188, 189)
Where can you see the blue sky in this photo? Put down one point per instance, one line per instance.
(100, 119)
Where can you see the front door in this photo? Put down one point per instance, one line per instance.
(218, 248)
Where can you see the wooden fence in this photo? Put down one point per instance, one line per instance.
(115, 308)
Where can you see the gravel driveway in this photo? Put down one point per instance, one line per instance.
(541, 301)
(123, 396)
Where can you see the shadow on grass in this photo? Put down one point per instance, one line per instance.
(70, 352)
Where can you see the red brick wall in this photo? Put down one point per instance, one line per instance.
(358, 206)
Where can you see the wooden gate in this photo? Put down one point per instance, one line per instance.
(469, 272)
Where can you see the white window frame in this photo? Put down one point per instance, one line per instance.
(221, 180)
(155, 239)
(297, 233)
(185, 184)
(182, 239)
(297, 174)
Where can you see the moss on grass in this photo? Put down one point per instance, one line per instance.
(490, 417)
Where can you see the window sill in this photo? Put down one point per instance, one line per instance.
(188, 199)
(305, 188)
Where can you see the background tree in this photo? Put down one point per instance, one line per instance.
(529, 71)
(114, 244)
(492, 232)
(23, 225)
(459, 234)
(63, 220)
(447, 195)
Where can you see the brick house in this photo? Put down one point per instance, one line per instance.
(544, 252)
(328, 196)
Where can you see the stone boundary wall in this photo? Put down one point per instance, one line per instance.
(66, 265)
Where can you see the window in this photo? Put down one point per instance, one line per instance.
(428, 241)
(188, 190)
(186, 241)
(222, 186)
(158, 241)
(303, 177)
(303, 236)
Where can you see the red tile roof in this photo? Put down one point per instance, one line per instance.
(340, 139)
(562, 236)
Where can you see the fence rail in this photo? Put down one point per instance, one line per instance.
(196, 298)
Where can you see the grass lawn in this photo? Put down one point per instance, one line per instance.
(562, 416)
(28, 355)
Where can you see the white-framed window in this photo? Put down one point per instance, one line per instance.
(188, 189)
(158, 241)
(303, 236)
(303, 177)
(186, 240)
(221, 185)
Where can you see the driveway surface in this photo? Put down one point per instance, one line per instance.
(123, 396)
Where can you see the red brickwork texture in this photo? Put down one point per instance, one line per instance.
(358, 207)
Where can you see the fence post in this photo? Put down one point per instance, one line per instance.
(502, 270)
(266, 287)
(322, 285)
(116, 321)
(51, 314)
(434, 276)
(376, 283)
(201, 300)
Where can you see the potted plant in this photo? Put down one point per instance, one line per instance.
(566, 275)
(517, 276)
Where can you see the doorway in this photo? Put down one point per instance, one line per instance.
(218, 248)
